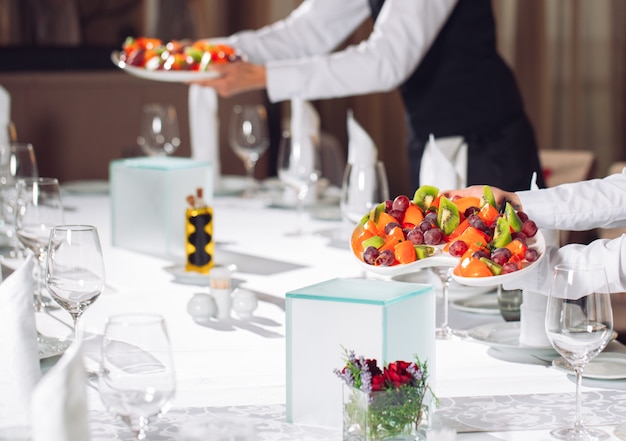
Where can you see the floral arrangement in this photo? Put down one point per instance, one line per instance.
(382, 403)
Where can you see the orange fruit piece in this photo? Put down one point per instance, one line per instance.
(465, 202)
(472, 267)
(383, 219)
(404, 252)
(488, 214)
(358, 236)
(517, 248)
(395, 236)
(473, 237)
(413, 215)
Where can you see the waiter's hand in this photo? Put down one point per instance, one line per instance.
(236, 77)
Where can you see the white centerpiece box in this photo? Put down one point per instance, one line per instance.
(149, 199)
(385, 320)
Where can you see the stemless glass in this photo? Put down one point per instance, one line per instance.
(17, 161)
(39, 209)
(159, 132)
(75, 269)
(248, 136)
(137, 379)
(299, 167)
(579, 324)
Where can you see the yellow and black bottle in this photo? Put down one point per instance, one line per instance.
(199, 245)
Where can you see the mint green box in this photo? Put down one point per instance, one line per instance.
(385, 320)
(149, 200)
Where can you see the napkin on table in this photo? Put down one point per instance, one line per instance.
(19, 352)
(59, 401)
(444, 163)
(5, 116)
(204, 127)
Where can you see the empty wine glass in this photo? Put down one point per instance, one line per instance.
(17, 160)
(299, 167)
(159, 132)
(75, 268)
(137, 379)
(249, 138)
(579, 324)
(444, 273)
(39, 209)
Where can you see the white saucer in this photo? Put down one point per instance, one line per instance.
(192, 277)
(505, 336)
(606, 366)
(486, 303)
(51, 346)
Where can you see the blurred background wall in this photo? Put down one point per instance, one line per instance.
(568, 57)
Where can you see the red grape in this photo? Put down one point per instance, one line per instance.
(425, 225)
(458, 248)
(390, 226)
(531, 255)
(529, 228)
(370, 255)
(388, 205)
(399, 215)
(501, 255)
(509, 267)
(401, 203)
(523, 216)
(434, 236)
(416, 236)
(385, 258)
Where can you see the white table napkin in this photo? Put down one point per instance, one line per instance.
(444, 163)
(59, 402)
(19, 353)
(5, 116)
(204, 127)
(361, 147)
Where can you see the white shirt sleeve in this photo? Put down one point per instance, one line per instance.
(297, 51)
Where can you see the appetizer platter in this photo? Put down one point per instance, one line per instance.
(486, 243)
(172, 61)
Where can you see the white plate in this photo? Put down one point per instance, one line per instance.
(505, 336)
(230, 185)
(170, 76)
(88, 187)
(192, 277)
(455, 290)
(51, 347)
(606, 366)
(538, 242)
(479, 304)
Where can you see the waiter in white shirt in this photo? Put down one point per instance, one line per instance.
(440, 53)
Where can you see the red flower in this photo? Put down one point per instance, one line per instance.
(378, 382)
(396, 374)
(372, 366)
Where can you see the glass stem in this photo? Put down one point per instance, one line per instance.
(41, 283)
(579, 375)
(446, 285)
(302, 192)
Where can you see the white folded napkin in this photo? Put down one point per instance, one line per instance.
(5, 116)
(19, 353)
(204, 127)
(444, 163)
(361, 147)
(59, 402)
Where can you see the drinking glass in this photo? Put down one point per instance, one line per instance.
(444, 273)
(299, 167)
(17, 160)
(75, 268)
(137, 379)
(159, 131)
(39, 209)
(579, 323)
(364, 186)
(249, 138)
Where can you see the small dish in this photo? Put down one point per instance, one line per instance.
(606, 366)
(192, 277)
(505, 336)
(51, 346)
(486, 303)
(169, 76)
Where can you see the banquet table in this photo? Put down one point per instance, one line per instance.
(233, 372)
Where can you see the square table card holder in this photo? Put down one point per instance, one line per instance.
(385, 320)
(149, 202)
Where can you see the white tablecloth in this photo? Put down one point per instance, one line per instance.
(240, 365)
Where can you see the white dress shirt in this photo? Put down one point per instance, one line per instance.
(297, 51)
(597, 203)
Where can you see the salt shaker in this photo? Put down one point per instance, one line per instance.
(201, 307)
(244, 302)
(221, 291)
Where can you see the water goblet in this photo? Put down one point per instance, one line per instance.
(299, 167)
(579, 324)
(39, 209)
(249, 138)
(137, 379)
(159, 132)
(75, 268)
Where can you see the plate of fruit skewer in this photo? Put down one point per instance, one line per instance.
(486, 244)
(178, 61)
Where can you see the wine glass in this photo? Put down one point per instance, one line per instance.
(299, 167)
(75, 268)
(17, 160)
(579, 324)
(249, 138)
(39, 209)
(137, 379)
(444, 273)
(159, 131)
(364, 186)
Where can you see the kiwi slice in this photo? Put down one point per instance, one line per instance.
(374, 241)
(512, 218)
(488, 197)
(448, 216)
(502, 233)
(494, 267)
(425, 195)
(423, 251)
(375, 212)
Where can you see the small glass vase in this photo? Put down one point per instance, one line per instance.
(393, 414)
